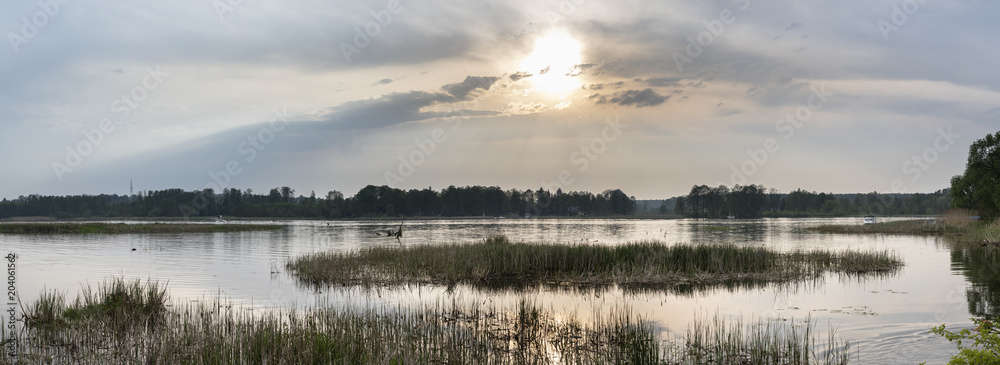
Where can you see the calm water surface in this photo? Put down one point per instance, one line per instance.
(885, 319)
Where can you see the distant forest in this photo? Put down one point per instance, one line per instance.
(371, 201)
(756, 201)
(749, 201)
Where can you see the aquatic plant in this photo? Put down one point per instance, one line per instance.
(497, 260)
(455, 332)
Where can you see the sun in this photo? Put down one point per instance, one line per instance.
(553, 63)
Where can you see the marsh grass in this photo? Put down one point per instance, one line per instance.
(497, 261)
(123, 228)
(456, 332)
(956, 225)
(918, 227)
(717, 340)
(119, 304)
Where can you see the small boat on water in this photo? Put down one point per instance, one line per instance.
(730, 217)
(869, 219)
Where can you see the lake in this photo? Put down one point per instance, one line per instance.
(886, 319)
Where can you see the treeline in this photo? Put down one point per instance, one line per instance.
(371, 201)
(756, 201)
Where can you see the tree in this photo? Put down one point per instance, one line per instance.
(979, 187)
(287, 194)
(679, 206)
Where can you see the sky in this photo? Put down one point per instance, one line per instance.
(650, 97)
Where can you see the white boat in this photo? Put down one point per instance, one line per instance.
(869, 219)
(730, 217)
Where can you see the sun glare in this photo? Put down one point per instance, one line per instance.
(553, 63)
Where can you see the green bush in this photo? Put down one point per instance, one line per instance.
(985, 339)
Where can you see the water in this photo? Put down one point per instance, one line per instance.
(885, 319)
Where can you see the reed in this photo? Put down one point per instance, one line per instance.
(718, 340)
(123, 228)
(496, 261)
(914, 227)
(456, 332)
(960, 229)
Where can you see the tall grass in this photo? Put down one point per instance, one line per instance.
(642, 264)
(122, 228)
(720, 341)
(453, 333)
(956, 225)
(919, 227)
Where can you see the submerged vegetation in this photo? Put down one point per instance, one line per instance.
(496, 261)
(132, 322)
(124, 228)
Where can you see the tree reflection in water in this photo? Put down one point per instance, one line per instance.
(981, 266)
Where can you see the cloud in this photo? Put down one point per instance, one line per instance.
(523, 108)
(463, 90)
(402, 107)
(661, 81)
(578, 70)
(519, 75)
(383, 82)
(615, 85)
(384, 111)
(638, 98)
(794, 25)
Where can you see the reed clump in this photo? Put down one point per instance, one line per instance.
(956, 225)
(455, 333)
(717, 340)
(916, 227)
(118, 304)
(123, 228)
(497, 260)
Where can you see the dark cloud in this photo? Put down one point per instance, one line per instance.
(638, 98)
(520, 75)
(794, 25)
(402, 107)
(470, 85)
(383, 82)
(384, 111)
(578, 70)
(615, 85)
